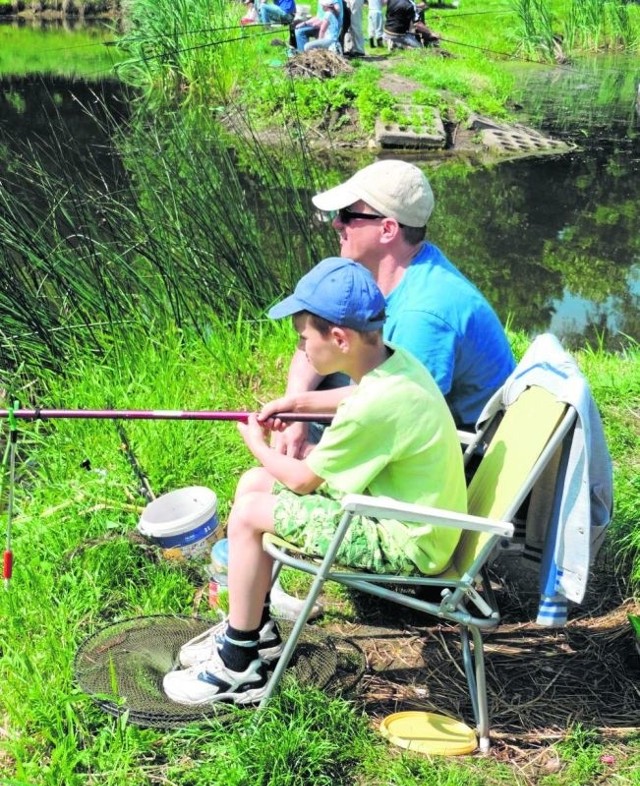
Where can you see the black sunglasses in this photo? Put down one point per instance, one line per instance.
(346, 216)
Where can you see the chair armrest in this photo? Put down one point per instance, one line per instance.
(467, 437)
(387, 508)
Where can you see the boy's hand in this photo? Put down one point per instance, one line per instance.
(274, 408)
(253, 433)
(293, 439)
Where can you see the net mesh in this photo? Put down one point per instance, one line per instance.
(122, 667)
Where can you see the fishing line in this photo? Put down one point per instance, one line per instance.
(473, 13)
(510, 56)
(172, 52)
(150, 39)
(145, 486)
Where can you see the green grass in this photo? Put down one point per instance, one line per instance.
(76, 53)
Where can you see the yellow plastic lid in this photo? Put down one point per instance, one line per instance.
(428, 732)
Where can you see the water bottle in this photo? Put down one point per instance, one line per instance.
(220, 556)
(218, 580)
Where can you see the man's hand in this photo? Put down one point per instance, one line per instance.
(293, 441)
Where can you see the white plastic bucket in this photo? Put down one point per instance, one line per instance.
(182, 522)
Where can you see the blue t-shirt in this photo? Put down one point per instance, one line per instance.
(288, 6)
(445, 321)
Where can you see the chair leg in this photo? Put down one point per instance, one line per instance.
(321, 574)
(475, 672)
(290, 646)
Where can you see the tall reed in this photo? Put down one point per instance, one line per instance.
(187, 49)
(535, 29)
(190, 226)
(592, 25)
(587, 25)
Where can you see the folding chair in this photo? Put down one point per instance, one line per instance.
(524, 442)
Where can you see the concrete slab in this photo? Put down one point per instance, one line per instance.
(516, 139)
(415, 136)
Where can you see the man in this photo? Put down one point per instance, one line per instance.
(404, 26)
(354, 41)
(432, 309)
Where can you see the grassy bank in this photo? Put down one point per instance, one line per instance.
(76, 570)
(197, 52)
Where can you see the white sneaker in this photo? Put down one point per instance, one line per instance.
(202, 648)
(212, 681)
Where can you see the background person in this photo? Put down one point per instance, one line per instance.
(376, 23)
(405, 26)
(432, 309)
(329, 30)
(354, 38)
(307, 29)
(373, 446)
(281, 12)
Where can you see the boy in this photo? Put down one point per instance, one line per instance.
(392, 435)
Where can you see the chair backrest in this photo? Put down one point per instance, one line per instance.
(526, 438)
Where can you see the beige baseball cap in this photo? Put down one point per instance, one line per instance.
(395, 189)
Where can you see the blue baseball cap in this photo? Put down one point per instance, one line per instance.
(339, 290)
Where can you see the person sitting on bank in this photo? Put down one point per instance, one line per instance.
(329, 29)
(405, 26)
(280, 12)
(392, 436)
(305, 30)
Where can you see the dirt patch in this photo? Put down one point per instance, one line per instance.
(541, 681)
(317, 64)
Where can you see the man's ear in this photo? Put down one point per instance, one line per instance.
(341, 337)
(390, 230)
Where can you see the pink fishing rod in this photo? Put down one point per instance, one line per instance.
(154, 414)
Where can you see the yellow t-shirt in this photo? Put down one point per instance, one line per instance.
(395, 437)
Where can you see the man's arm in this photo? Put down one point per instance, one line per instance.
(302, 378)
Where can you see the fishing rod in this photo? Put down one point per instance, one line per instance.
(154, 414)
(10, 453)
(169, 52)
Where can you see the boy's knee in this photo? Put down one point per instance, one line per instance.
(254, 479)
(250, 513)
(243, 512)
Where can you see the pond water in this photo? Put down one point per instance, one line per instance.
(552, 241)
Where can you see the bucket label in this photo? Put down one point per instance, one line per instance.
(187, 538)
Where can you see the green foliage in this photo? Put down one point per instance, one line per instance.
(77, 570)
(552, 30)
(599, 24)
(178, 240)
(535, 31)
(186, 49)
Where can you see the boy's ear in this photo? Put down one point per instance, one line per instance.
(341, 337)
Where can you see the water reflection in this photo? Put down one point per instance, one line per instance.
(591, 101)
(63, 123)
(551, 241)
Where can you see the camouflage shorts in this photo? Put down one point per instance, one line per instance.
(309, 521)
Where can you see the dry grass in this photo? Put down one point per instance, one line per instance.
(542, 681)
